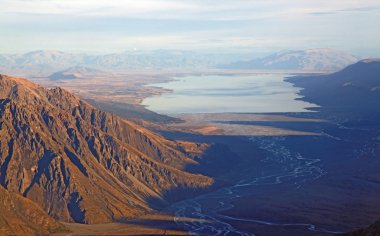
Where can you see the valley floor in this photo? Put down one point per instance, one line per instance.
(321, 183)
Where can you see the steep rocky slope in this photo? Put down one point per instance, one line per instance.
(80, 164)
(20, 216)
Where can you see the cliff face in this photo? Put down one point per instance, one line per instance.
(80, 164)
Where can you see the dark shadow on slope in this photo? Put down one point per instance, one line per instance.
(225, 154)
(90, 144)
(43, 168)
(222, 161)
(75, 160)
(76, 213)
(4, 166)
(372, 230)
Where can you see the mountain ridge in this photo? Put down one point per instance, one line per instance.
(352, 91)
(47, 62)
(94, 166)
(317, 59)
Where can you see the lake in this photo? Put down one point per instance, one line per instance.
(258, 93)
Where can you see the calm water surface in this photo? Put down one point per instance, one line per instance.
(223, 93)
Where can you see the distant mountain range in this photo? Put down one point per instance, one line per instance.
(45, 63)
(320, 59)
(62, 157)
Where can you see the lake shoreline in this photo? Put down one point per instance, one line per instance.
(233, 93)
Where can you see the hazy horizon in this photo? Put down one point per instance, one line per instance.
(256, 27)
(243, 55)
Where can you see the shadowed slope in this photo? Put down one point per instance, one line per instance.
(372, 230)
(353, 91)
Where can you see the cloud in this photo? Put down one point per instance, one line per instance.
(208, 40)
(185, 9)
(92, 7)
(345, 10)
(195, 24)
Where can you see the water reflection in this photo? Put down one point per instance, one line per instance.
(222, 93)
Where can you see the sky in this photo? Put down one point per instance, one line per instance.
(248, 26)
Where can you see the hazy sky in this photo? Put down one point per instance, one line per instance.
(255, 26)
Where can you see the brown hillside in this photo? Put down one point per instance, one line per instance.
(20, 216)
(81, 164)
